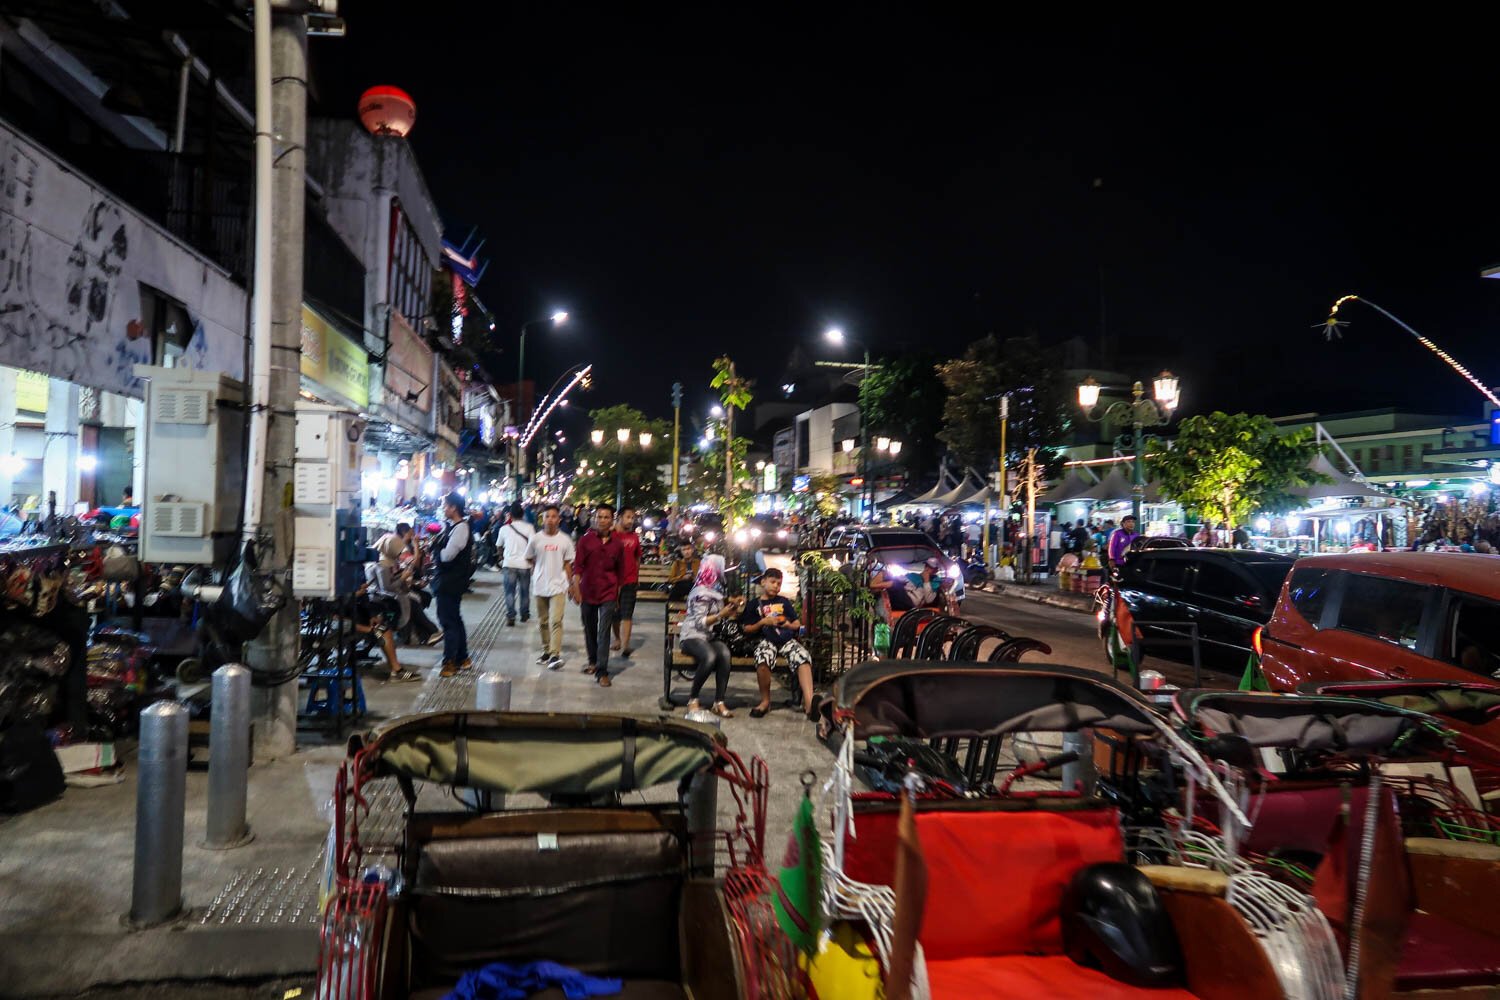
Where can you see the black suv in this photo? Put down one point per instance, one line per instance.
(1227, 593)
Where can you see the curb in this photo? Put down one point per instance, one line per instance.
(1068, 602)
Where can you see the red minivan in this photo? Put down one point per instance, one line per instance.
(1370, 615)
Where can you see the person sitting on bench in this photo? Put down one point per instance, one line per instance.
(684, 570)
(774, 620)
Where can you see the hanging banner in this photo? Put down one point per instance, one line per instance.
(334, 361)
(408, 368)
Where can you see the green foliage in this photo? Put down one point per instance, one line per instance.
(990, 368)
(1227, 467)
(643, 480)
(905, 399)
(736, 501)
(733, 390)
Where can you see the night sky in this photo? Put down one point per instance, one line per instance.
(717, 180)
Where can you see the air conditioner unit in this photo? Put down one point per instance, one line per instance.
(193, 454)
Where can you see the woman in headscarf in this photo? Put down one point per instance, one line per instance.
(706, 607)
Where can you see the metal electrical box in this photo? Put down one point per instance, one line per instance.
(193, 454)
(328, 559)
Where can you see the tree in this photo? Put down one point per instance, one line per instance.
(989, 369)
(905, 398)
(1228, 466)
(741, 503)
(735, 504)
(597, 465)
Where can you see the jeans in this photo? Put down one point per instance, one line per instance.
(455, 639)
(597, 619)
(712, 657)
(517, 580)
(549, 613)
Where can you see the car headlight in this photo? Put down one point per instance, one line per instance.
(741, 537)
(781, 534)
(755, 532)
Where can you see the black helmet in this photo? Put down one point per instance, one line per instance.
(1113, 920)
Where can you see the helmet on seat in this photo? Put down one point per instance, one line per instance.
(1113, 920)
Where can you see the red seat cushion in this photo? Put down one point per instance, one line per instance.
(1055, 977)
(998, 877)
(1439, 954)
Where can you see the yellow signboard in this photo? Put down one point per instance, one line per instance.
(333, 360)
(31, 392)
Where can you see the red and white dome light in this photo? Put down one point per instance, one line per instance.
(387, 111)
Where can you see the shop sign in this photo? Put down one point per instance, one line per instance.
(408, 366)
(1495, 428)
(334, 361)
(800, 484)
(768, 479)
(31, 392)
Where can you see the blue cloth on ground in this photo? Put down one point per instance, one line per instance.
(503, 981)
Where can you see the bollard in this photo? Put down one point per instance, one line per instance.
(229, 759)
(1083, 768)
(161, 794)
(492, 692)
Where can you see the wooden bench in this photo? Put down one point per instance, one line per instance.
(653, 582)
(674, 660)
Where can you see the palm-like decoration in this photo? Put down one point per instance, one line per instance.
(1331, 325)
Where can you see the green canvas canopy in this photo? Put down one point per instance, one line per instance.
(545, 753)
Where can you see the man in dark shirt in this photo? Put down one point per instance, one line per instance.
(598, 567)
(630, 580)
(773, 620)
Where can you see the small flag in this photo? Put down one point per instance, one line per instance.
(799, 885)
(1252, 679)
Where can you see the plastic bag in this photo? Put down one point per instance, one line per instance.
(249, 601)
(882, 638)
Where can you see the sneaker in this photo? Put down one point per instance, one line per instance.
(510, 623)
(405, 674)
(544, 659)
(450, 669)
(591, 668)
(556, 663)
(625, 654)
(436, 639)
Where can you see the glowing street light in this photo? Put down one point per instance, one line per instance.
(834, 335)
(623, 434)
(848, 445)
(646, 437)
(716, 412)
(1088, 393)
(883, 444)
(597, 436)
(88, 463)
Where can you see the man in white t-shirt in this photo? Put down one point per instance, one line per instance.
(515, 571)
(550, 553)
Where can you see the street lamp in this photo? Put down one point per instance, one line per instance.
(1140, 413)
(848, 445)
(556, 319)
(717, 412)
(597, 436)
(646, 437)
(835, 335)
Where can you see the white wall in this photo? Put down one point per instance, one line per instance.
(820, 443)
(72, 258)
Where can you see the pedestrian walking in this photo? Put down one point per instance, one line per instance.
(550, 553)
(706, 607)
(515, 571)
(630, 580)
(454, 554)
(773, 620)
(598, 564)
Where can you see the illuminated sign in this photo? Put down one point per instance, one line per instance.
(31, 392)
(332, 360)
(857, 481)
(1495, 428)
(800, 484)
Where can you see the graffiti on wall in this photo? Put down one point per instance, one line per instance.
(73, 261)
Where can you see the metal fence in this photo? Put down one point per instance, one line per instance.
(838, 609)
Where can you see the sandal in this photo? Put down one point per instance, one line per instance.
(758, 713)
(693, 706)
(722, 710)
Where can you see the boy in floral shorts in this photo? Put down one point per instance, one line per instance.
(771, 622)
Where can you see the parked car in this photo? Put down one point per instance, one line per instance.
(1227, 593)
(1370, 615)
(905, 547)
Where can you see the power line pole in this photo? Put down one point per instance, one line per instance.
(276, 332)
(676, 454)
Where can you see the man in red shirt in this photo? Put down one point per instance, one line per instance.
(598, 566)
(630, 544)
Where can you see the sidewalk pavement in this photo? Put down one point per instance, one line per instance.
(1046, 592)
(251, 912)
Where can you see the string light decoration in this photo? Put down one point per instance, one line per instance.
(1331, 329)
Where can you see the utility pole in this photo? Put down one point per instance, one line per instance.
(676, 454)
(1030, 508)
(276, 336)
(989, 559)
